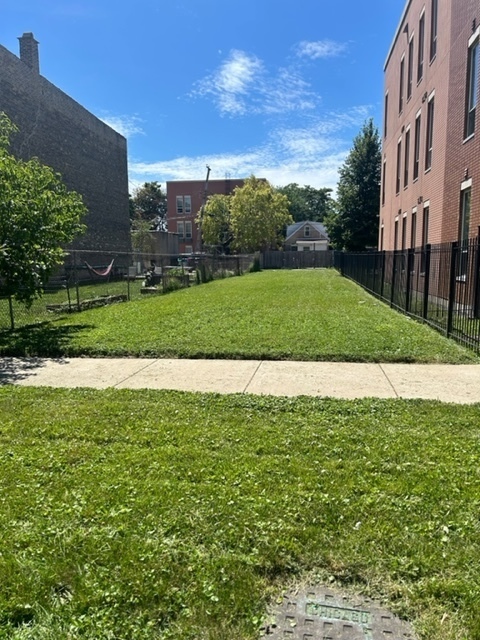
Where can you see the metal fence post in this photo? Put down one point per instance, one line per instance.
(409, 279)
(426, 281)
(382, 282)
(476, 291)
(75, 275)
(452, 286)
(394, 269)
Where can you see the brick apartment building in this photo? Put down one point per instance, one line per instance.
(184, 202)
(90, 156)
(430, 190)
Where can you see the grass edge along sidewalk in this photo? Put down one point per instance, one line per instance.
(272, 315)
(142, 514)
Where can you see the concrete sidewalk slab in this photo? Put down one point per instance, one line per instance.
(97, 373)
(221, 376)
(458, 383)
(335, 379)
(448, 383)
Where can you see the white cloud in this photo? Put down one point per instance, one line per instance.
(127, 126)
(319, 49)
(230, 83)
(242, 85)
(311, 154)
(288, 91)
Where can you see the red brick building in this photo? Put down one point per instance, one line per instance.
(430, 189)
(184, 202)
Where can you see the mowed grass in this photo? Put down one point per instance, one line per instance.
(165, 515)
(290, 315)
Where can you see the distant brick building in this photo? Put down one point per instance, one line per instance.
(90, 156)
(430, 189)
(184, 202)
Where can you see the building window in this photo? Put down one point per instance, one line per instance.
(464, 216)
(406, 158)
(179, 205)
(184, 205)
(413, 230)
(426, 219)
(381, 238)
(395, 237)
(472, 88)
(399, 166)
(429, 139)
(401, 83)
(385, 116)
(433, 30)
(410, 69)
(188, 229)
(181, 229)
(307, 231)
(464, 227)
(421, 47)
(384, 180)
(404, 232)
(416, 157)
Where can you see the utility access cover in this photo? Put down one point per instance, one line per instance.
(324, 614)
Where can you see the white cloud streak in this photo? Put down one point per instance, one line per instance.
(306, 155)
(242, 85)
(231, 82)
(319, 49)
(127, 126)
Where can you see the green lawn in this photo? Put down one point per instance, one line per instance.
(295, 315)
(161, 515)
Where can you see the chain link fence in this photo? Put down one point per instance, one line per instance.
(90, 279)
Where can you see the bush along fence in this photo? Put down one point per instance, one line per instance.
(439, 284)
(91, 279)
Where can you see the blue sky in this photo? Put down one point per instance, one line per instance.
(278, 89)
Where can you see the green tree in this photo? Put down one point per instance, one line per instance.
(216, 229)
(149, 203)
(353, 226)
(259, 215)
(38, 216)
(142, 240)
(307, 203)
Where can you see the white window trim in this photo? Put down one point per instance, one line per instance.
(473, 37)
(466, 184)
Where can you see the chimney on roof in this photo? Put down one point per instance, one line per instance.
(29, 51)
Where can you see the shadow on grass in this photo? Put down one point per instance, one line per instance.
(40, 340)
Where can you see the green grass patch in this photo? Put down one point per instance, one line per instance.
(142, 515)
(287, 315)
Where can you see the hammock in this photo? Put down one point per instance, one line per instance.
(102, 272)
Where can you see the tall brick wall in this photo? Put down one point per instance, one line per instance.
(90, 156)
(463, 155)
(445, 76)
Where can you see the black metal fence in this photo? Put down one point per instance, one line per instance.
(439, 284)
(91, 279)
